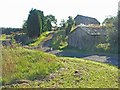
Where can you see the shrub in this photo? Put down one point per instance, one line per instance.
(103, 46)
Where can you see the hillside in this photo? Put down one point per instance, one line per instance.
(33, 68)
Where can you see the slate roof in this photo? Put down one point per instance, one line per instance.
(80, 19)
(93, 31)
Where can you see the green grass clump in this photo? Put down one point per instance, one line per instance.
(19, 63)
(40, 39)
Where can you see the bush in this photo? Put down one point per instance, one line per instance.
(103, 46)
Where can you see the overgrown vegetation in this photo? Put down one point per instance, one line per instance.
(59, 40)
(111, 25)
(37, 23)
(103, 47)
(19, 63)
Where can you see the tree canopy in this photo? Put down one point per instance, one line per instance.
(37, 23)
(34, 23)
(111, 25)
(52, 19)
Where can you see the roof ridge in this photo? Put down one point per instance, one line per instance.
(92, 31)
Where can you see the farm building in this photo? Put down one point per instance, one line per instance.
(85, 37)
(85, 20)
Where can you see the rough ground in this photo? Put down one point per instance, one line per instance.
(76, 73)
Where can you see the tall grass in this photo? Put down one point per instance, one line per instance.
(19, 63)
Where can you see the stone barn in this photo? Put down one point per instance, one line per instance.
(85, 20)
(86, 37)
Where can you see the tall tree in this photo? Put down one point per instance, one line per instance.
(37, 23)
(34, 23)
(41, 14)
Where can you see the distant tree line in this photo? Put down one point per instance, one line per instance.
(37, 23)
(10, 30)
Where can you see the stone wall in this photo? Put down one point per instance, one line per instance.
(81, 39)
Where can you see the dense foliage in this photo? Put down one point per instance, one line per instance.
(51, 18)
(37, 23)
(111, 25)
(34, 23)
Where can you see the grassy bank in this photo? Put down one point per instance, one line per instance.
(51, 71)
(20, 63)
(79, 73)
(40, 39)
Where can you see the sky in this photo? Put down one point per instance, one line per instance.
(14, 12)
